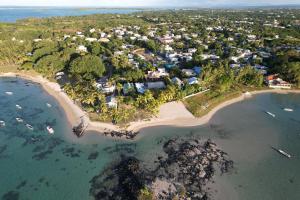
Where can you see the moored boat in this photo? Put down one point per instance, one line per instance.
(29, 126)
(18, 106)
(288, 109)
(271, 114)
(20, 120)
(282, 152)
(49, 105)
(9, 93)
(2, 123)
(50, 130)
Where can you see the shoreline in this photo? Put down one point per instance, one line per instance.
(171, 114)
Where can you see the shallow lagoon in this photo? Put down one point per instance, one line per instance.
(36, 165)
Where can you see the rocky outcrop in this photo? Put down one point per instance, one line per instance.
(181, 172)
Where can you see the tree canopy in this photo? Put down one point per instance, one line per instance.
(89, 66)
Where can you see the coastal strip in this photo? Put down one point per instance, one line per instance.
(170, 114)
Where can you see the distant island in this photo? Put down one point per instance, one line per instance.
(120, 68)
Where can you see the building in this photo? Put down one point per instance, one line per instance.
(104, 86)
(275, 82)
(140, 87)
(177, 81)
(197, 70)
(111, 102)
(192, 81)
(188, 72)
(81, 48)
(156, 85)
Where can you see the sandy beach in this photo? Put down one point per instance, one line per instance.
(172, 113)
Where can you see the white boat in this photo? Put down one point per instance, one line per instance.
(288, 109)
(2, 123)
(50, 130)
(19, 120)
(49, 105)
(18, 107)
(271, 114)
(284, 153)
(9, 93)
(29, 126)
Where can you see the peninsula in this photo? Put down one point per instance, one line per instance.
(126, 72)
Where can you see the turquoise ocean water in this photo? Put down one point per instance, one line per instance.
(35, 165)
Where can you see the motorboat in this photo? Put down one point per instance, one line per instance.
(29, 126)
(271, 114)
(2, 123)
(20, 120)
(50, 130)
(282, 152)
(18, 107)
(288, 109)
(9, 93)
(49, 105)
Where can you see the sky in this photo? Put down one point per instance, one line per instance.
(144, 3)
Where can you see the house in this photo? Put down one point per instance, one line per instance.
(140, 87)
(156, 85)
(168, 48)
(92, 30)
(37, 40)
(197, 70)
(127, 88)
(192, 50)
(81, 48)
(104, 40)
(209, 56)
(261, 69)
(111, 102)
(177, 81)
(166, 40)
(59, 75)
(188, 72)
(104, 86)
(169, 66)
(192, 81)
(160, 72)
(275, 82)
(91, 39)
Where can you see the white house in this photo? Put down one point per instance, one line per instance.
(188, 72)
(111, 102)
(140, 87)
(81, 48)
(91, 39)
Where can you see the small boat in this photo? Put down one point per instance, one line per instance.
(29, 126)
(50, 130)
(282, 152)
(9, 93)
(2, 123)
(34, 139)
(271, 114)
(288, 109)
(19, 120)
(49, 105)
(18, 107)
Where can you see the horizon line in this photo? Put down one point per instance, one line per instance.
(227, 6)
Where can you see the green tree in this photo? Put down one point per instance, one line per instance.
(88, 66)
(49, 65)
